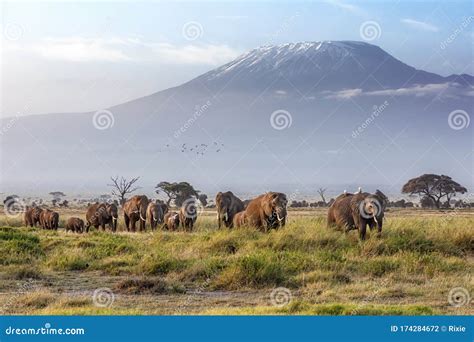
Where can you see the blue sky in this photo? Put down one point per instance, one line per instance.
(63, 57)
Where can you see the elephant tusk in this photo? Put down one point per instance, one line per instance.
(278, 217)
(155, 219)
(226, 216)
(375, 219)
(141, 217)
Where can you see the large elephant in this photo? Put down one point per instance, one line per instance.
(171, 221)
(188, 214)
(135, 210)
(356, 211)
(267, 211)
(100, 214)
(155, 214)
(75, 224)
(227, 205)
(49, 219)
(32, 216)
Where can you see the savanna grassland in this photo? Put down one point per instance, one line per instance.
(421, 256)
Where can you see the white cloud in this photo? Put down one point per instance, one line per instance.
(78, 49)
(343, 94)
(72, 49)
(449, 89)
(421, 25)
(194, 54)
(346, 7)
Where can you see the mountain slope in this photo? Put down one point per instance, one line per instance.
(321, 92)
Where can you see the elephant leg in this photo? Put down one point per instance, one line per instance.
(379, 228)
(371, 224)
(133, 222)
(362, 229)
(127, 222)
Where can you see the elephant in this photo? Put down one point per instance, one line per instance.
(171, 221)
(356, 211)
(32, 216)
(267, 211)
(155, 214)
(135, 210)
(49, 219)
(164, 209)
(188, 214)
(227, 205)
(239, 219)
(100, 214)
(75, 224)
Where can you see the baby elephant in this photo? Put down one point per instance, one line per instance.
(171, 221)
(75, 224)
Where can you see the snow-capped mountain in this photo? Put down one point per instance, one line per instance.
(330, 65)
(345, 112)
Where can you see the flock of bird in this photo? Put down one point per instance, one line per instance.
(199, 149)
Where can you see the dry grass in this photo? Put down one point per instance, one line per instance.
(420, 257)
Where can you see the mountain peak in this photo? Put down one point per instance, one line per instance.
(330, 64)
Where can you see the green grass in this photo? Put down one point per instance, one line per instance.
(415, 263)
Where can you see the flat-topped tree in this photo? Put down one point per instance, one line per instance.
(57, 195)
(178, 192)
(434, 187)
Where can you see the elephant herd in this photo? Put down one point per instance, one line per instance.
(267, 211)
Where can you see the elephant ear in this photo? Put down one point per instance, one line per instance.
(382, 196)
(271, 201)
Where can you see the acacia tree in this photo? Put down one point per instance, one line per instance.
(56, 197)
(122, 187)
(178, 192)
(434, 187)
